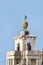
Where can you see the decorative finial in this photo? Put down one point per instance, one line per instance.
(25, 24)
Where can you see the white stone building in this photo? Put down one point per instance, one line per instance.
(25, 52)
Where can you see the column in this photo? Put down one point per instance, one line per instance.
(27, 62)
(21, 61)
(37, 61)
(14, 62)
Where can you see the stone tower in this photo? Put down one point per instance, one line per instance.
(25, 52)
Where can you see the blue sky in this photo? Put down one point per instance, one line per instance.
(12, 14)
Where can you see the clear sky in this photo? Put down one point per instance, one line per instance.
(12, 14)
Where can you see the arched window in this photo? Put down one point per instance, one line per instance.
(18, 47)
(28, 46)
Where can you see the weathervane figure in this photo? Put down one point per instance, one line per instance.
(25, 23)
